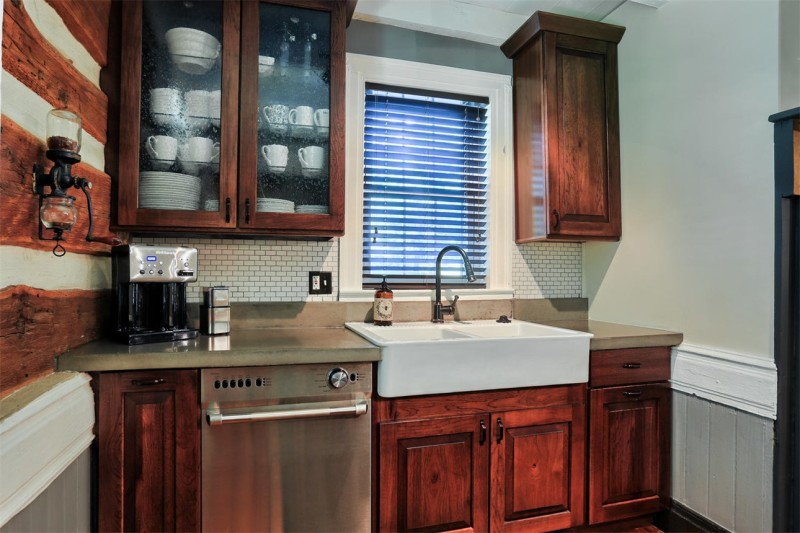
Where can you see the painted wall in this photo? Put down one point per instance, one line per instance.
(789, 34)
(697, 83)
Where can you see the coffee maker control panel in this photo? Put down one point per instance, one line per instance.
(156, 264)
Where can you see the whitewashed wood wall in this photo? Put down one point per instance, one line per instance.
(63, 506)
(722, 463)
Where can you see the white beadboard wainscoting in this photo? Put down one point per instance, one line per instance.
(40, 439)
(723, 409)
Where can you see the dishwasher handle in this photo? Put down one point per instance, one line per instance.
(291, 412)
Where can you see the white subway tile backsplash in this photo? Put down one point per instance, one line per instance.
(277, 270)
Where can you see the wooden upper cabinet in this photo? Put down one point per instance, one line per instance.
(231, 117)
(566, 129)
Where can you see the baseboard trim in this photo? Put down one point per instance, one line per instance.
(680, 519)
(42, 437)
(743, 382)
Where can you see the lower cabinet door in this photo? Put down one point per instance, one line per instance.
(537, 473)
(148, 457)
(628, 451)
(434, 474)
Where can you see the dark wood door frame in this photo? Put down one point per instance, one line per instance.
(786, 478)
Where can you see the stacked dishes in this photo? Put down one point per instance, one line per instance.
(274, 205)
(312, 209)
(193, 51)
(169, 190)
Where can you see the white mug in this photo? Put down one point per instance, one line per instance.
(198, 149)
(322, 118)
(162, 147)
(165, 101)
(311, 157)
(301, 116)
(214, 103)
(196, 103)
(276, 155)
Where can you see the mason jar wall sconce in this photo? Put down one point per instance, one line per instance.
(57, 211)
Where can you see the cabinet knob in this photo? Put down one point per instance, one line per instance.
(499, 429)
(632, 394)
(482, 437)
(247, 211)
(557, 222)
(228, 209)
(632, 365)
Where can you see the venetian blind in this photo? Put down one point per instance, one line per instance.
(426, 164)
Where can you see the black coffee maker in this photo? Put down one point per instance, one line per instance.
(150, 292)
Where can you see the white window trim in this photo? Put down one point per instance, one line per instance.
(362, 69)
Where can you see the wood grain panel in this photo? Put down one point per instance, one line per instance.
(433, 475)
(476, 402)
(37, 325)
(18, 225)
(89, 23)
(31, 59)
(627, 366)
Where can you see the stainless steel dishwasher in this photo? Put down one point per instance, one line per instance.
(286, 448)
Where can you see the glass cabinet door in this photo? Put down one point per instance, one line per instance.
(186, 153)
(293, 66)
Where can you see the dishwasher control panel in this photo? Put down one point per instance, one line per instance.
(284, 381)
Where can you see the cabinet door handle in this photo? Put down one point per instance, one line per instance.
(147, 382)
(247, 211)
(632, 393)
(482, 437)
(228, 209)
(557, 216)
(632, 365)
(499, 429)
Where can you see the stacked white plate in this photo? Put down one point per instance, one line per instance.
(312, 209)
(169, 190)
(274, 205)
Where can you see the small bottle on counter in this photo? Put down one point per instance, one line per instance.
(382, 307)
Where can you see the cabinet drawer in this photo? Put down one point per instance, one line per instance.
(636, 365)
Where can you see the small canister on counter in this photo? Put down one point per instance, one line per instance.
(215, 313)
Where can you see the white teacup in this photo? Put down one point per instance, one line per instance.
(322, 118)
(311, 157)
(165, 101)
(162, 150)
(276, 156)
(301, 116)
(196, 152)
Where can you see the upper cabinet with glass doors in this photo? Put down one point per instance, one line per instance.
(232, 117)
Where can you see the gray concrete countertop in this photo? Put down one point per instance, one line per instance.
(296, 345)
(256, 347)
(611, 336)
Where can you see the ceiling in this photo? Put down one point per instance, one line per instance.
(485, 21)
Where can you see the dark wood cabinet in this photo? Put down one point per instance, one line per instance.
(213, 120)
(148, 451)
(629, 433)
(498, 461)
(566, 129)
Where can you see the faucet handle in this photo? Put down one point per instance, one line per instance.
(455, 301)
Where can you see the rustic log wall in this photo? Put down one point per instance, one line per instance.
(42, 318)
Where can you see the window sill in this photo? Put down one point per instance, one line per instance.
(428, 295)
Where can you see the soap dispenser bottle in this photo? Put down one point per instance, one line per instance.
(382, 307)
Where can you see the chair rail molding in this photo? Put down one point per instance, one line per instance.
(744, 382)
(42, 436)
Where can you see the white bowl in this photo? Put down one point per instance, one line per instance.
(162, 119)
(180, 35)
(193, 65)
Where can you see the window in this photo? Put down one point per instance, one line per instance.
(444, 177)
(426, 175)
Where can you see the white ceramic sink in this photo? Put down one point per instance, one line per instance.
(425, 358)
